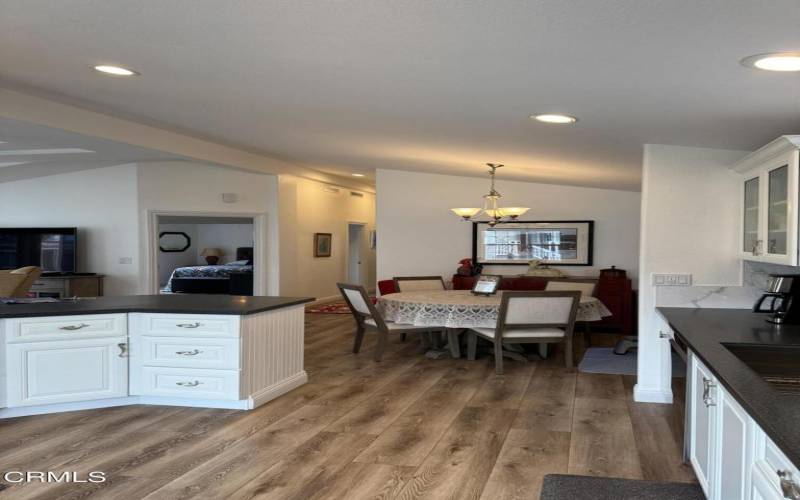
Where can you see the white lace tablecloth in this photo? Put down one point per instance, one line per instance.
(461, 309)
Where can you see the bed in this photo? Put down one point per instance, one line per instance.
(234, 278)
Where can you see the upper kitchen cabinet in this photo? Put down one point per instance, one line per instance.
(770, 193)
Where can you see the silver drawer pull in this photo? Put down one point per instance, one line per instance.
(189, 384)
(73, 327)
(707, 386)
(123, 349)
(789, 488)
(193, 352)
(196, 324)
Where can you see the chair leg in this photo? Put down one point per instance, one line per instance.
(402, 337)
(568, 351)
(381, 345)
(359, 338)
(587, 334)
(543, 350)
(453, 342)
(498, 358)
(472, 345)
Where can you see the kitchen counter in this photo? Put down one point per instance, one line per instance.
(705, 330)
(176, 304)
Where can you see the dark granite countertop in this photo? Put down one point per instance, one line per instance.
(705, 330)
(179, 304)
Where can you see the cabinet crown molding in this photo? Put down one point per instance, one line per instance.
(757, 158)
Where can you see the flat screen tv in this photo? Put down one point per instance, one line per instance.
(54, 249)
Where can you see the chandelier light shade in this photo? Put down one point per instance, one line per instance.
(490, 208)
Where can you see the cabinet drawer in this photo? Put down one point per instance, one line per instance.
(188, 383)
(66, 327)
(218, 353)
(190, 325)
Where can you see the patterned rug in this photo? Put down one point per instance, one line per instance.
(338, 307)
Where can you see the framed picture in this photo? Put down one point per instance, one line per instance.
(322, 244)
(560, 243)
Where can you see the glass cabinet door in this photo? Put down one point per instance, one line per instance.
(750, 240)
(778, 210)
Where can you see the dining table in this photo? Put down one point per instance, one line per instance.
(457, 310)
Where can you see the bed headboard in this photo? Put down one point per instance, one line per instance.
(244, 253)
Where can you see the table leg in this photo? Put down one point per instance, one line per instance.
(453, 342)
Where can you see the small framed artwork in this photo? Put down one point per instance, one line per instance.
(322, 244)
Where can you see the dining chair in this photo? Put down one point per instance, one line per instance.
(587, 288)
(418, 283)
(368, 316)
(530, 317)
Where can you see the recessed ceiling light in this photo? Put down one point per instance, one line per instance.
(115, 70)
(554, 118)
(357, 175)
(777, 61)
(33, 152)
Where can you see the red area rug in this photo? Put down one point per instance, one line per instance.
(339, 307)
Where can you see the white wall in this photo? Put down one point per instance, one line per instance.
(690, 221)
(418, 235)
(100, 202)
(191, 188)
(227, 237)
(307, 208)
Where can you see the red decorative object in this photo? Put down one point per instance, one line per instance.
(466, 267)
(385, 287)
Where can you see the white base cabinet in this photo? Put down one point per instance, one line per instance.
(731, 455)
(66, 370)
(220, 361)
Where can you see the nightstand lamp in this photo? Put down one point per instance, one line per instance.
(212, 255)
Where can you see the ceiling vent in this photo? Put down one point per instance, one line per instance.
(356, 194)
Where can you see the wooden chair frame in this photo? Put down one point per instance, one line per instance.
(503, 324)
(593, 281)
(398, 279)
(375, 315)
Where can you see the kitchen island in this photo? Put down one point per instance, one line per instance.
(214, 351)
(743, 401)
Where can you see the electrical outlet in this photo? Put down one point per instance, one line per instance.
(126, 260)
(663, 279)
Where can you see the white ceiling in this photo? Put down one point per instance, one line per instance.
(17, 136)
(354, 85)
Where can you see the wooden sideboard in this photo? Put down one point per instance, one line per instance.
(68, 285)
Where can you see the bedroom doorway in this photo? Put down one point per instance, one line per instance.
(206, 254)
(356, 239)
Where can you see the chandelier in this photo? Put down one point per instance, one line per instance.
(496, 214)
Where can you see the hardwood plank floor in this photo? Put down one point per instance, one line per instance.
(409, 427)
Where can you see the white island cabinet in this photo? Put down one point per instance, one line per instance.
(70, 362)
(731, 455)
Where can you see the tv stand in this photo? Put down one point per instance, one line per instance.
(66, 285)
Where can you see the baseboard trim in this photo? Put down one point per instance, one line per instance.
(269, 393)
(333, 298)
(651, 395)
(24, 411)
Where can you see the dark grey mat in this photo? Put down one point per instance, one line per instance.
(569, 487)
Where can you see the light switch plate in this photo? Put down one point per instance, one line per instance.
(663, 279)
(126, 260)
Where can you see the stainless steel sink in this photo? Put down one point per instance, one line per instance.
(778, 365)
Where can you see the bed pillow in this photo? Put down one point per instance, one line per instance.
(239, 263)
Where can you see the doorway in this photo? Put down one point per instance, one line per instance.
(355, 256)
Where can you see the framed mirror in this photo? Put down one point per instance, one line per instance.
(171, 241)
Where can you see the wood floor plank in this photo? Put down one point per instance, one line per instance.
(548, 400)
(366, 481)
(527, 456)
(307, 470)
(598, 385)
(383, 407)
(462, 461)
(602, 441)
(411, 437)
